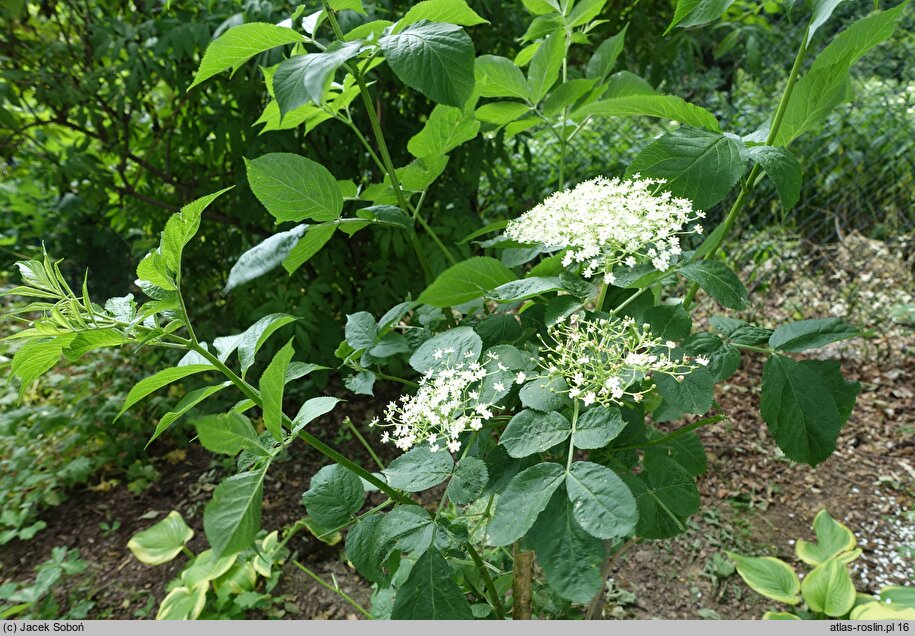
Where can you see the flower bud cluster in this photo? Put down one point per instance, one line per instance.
(604, 361)
(606, 222)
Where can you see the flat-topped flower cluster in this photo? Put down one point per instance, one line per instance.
(605, 361)
(607, 222)
(449, 401)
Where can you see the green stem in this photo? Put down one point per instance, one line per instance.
(683, 430)
(719, 235)
(572, 436)
(629, 300)
(188, 553)
(436, 239)
(394, 378)
(335, 589)
(365, 444)
(183, 307)
(329, 452)
(495, 601)
(386, 160)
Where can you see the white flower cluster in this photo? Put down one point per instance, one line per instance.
(605, 222)
(604, 361)
(448, 402)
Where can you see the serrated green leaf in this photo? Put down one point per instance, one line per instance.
(163, 378)
(668, 107)
(233, 516)
(569, 556)
(307, 246)
(311, 410)
(272, 385)
(293, 188)
(254, 337)
(466, 281)
(468, 482)
(810, 334)
(697, 164)
(263, 257)
(693, 13)
(430, 593)
(450, 11)
(783, 169)
(239, 44)
(334, 496)
(434, 58)
(303, 79)
(448, 349)
(799, 410)
(601, 502)
(522, 501)
(597, 427)
(446, 129)
(605, 56)
(229, 434)
(498, 76)
(693, 394)
(545, 66)
(189, 401)
(419, 468)
(719, 281)
(530, 432)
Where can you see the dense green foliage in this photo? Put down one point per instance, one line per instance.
(544, 358)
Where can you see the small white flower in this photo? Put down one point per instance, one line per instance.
(520, 378)
(454, 446)
(702, 360)
(589, 399)
(499, 387)
(437, 354)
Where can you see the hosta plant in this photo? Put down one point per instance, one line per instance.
(553, 379)
(827, 591)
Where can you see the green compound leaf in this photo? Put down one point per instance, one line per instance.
(569, 556)
(293, 188)
(253, 338)
(810, 334)
(468, 482)
(545, 394)
(161, 542)
(419, 468)
(800, 411)
(545, 66)
(697, 164)
(335, 495)
(531, 432)
(522, 501)
(769, 576)
(239, 44)
(233, 516)
(434, 58)
(828, 588)
(430, 592)
(466, 281)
